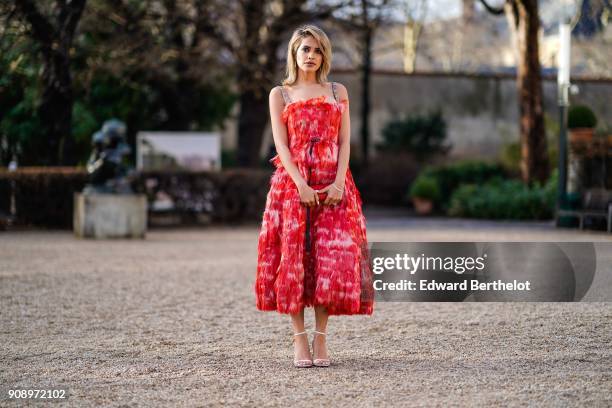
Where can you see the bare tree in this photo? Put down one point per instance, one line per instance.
(157, 43)
(363, 18)
(415, 12)
(525, 23)
(263, 24)
(170, 40)
(53, 31)
(252, 35)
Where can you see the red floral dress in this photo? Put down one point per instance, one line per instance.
(318, 255)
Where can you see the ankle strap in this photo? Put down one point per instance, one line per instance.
(297, 334)
(318, 332)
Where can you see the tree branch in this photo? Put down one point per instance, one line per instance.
(42, 29)
(69, 18)
(208, 26)
(7, 16)
(491, 9)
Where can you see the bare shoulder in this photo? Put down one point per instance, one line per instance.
(275, 92)
(342, 92)
(276, 97)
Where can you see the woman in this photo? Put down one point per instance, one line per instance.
(312, 248)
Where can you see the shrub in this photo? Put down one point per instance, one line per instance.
(425, 187)
(505, 199)
(581, 116)
(450, 176)
(510, 156)
(421, 135)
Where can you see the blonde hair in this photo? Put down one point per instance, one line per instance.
(291, 71)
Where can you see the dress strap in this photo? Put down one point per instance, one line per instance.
(285, 95)
(334, 90)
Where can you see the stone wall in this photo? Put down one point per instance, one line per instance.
(481, 110)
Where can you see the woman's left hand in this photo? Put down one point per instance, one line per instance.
(334, 196)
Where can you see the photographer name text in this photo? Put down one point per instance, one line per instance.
(433, 285)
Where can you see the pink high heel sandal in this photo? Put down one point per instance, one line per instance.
(319, 362)
(301, 363)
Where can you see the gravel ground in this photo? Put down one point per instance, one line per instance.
(171, 320)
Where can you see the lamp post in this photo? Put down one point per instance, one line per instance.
(563, 87)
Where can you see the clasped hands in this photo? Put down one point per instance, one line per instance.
(310, 197)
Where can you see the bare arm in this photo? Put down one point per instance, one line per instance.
(344, 139)
(279, 134)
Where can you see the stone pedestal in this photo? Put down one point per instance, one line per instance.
(110, 215)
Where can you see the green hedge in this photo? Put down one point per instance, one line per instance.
(505, 199)
(450, 176)
(44, 196)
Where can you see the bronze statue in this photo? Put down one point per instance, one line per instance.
(108, 172)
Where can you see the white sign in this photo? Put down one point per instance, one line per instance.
(178, 150)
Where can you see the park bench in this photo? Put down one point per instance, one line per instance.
(595, 203)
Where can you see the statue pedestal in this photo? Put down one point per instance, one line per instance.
(110, 215)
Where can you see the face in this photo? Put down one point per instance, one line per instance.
(309, 55)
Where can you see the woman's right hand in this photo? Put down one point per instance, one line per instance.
(308, 196)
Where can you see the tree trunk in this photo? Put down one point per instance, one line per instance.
(260, 36)
(412, 32)
(534, 157)
(524, 22)
(55, 109)
(252, 123)
(252, 118)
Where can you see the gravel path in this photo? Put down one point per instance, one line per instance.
(171, 321)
